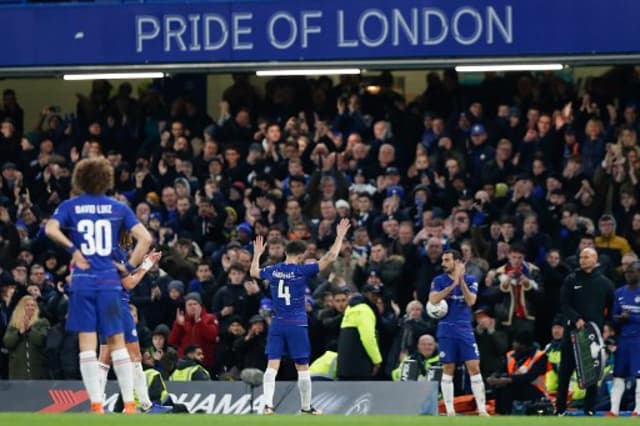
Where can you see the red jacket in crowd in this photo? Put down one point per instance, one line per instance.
(203, 333)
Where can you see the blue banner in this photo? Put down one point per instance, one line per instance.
(311, 30)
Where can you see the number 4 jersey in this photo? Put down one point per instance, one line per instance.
(288, 283)
(94, 224)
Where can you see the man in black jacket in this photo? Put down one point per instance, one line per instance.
(587, 295)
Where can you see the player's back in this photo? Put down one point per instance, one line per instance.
(628, 299)
(94, 223)
(458, 316)
(288, 283)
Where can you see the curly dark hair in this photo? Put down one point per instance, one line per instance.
(92, 176)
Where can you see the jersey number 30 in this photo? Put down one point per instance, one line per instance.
(97, 237)
(283, 292)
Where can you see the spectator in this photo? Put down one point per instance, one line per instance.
(552, 273)
(195, 326)
(425, 356)
(239, 297)
(554, 354)
(7, 290)
(330, 318)
(492, 342)
(388, 267)
(160, 356)
(608, 242)
(204, 283)
(250, 348)
(190, 367)
(518, 281)
(62, 347)
(413, 325)
(25, 340)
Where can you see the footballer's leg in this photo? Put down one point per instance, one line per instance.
(82, 319)
(470, 354)
(124, 371)
(304, 386)
(448, 359)
(90, 370)
(275, 351)
(133, 348)
(104, 363)
(110, 322)
(300, 350)
(269, 385)
(620, 370)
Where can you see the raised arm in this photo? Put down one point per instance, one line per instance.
(332, 254)
(143, 244)
(259, 246)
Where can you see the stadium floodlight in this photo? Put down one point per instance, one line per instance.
(304, 72)
(509, 67)
(113, 76)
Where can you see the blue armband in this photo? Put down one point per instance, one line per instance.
(71, 249)
(129, 266)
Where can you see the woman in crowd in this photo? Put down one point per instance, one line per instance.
(25, 339)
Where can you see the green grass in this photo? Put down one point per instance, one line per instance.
(18, 419)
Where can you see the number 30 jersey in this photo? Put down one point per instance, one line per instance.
(288, 283)
(94, 224)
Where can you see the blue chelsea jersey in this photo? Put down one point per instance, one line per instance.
(94, 224)
(458, 316)
(628, 299)
(288, 283)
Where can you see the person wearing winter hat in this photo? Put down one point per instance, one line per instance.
(195, 326)
(160, 355)
(175, 289)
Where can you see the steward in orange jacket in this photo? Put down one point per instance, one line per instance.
(523, 376)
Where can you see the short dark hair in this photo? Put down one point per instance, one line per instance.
(297, 179)
(204, 262)
(191, 349)
(378, 242)
(236, 266)
(587, 236)
(342, 290)
(570, 208)
(455, 253)
(517, 248)
(295, 248)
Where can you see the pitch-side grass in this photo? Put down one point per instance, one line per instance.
(20, 419)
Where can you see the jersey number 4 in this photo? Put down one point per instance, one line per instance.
(283, 292)
(97, 237)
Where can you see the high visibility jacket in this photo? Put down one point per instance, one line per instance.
(155, 378)
(186, 374)
(553, 358)
(428, 363)
(525, 367)
(325, 366)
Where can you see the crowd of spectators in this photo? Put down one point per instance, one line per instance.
(518, 173)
